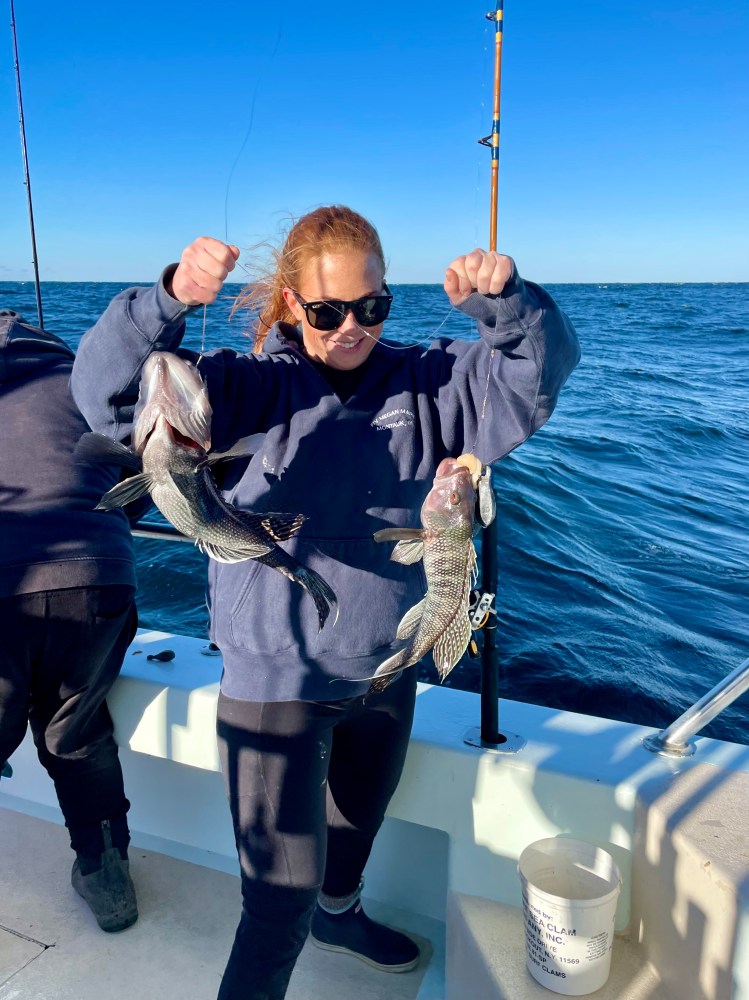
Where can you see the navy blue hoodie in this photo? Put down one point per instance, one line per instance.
(51, 537)
(351, 467)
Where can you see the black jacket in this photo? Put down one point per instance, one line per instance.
(50, 535)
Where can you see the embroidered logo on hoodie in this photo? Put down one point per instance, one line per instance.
(393, 418)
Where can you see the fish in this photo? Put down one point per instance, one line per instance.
(171, 456)
(461, 492)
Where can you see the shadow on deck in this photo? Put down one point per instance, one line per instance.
(50, 945)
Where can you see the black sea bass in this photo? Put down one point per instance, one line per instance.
(440, 621)
(171, 453)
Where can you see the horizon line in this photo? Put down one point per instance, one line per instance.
(436, 284)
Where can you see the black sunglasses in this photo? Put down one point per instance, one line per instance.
(328, 314)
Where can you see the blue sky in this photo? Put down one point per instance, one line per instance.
(624, 150)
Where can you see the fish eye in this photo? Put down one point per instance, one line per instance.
(454, 498)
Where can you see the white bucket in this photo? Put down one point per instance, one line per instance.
(570, 891)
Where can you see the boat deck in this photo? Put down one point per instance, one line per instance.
(52, 949)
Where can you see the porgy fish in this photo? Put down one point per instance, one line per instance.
(171, 454)
(440, 621)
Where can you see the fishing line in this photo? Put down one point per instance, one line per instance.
(237, 158)
(486, 396)
(202, 339)
(405, 347)
(253, 102)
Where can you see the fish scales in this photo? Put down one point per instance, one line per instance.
(447, 564)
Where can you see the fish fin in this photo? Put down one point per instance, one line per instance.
(403, 658)
(224, 554)
(243, 448)
(451, 645)
(472, 568)
(408, 552)
(410, 547)
(487, 500)
(396, 534)
(97, 449)
(321, 593)
(379, 684)
(389, 669)
(281, 527)
(274, 526)
(410, 621)
(126, 491)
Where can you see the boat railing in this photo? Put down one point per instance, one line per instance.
(162, 532)
(676, 740)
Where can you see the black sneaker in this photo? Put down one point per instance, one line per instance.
(353, 933)
(6, 771)
(106, 886)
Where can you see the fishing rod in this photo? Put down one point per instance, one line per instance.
(488, 735)
(492, 140)
(27, 178)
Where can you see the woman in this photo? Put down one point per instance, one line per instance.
(350, 432)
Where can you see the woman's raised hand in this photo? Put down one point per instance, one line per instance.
(484, 271)
(202, 270)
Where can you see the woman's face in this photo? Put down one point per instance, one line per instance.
(347, 276)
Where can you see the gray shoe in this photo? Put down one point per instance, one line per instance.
(109, 891)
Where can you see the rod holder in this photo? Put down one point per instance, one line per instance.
(501, 743)
(487, 736)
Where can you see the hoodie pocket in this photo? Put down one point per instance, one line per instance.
(272, 613)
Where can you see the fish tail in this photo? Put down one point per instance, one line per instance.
(379, 684)
(389, 669)
(321, 593)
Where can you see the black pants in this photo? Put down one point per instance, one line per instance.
(61, 652)
(308, 784)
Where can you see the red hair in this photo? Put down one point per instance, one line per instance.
(329, 230)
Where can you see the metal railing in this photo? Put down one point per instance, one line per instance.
(675, 741)
(164, 532)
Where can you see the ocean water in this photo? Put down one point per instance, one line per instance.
(623, 525)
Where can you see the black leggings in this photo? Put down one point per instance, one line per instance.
(308, 784)
(61, 652)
